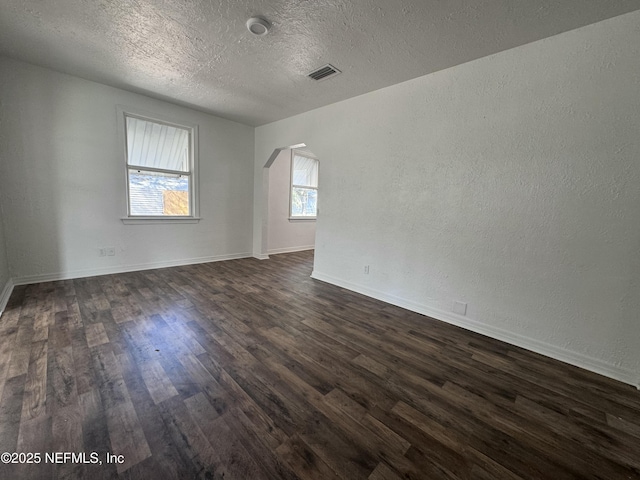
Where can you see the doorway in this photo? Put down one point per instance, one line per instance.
(292, 193)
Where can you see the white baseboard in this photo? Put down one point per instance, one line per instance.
(261, 256)
(574, 358)
(6, 293)
(52, 277)
(276, 251)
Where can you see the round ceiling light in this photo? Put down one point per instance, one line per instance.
(258, 26)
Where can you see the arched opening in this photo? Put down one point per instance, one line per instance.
(290, 189)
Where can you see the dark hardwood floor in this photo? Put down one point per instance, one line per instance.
(251, 370)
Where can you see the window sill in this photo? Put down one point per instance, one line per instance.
(302, 219)
(158, 220)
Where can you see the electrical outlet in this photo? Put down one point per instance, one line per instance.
(111, 251)
(366, 269)
(460, 308)
(102, 252)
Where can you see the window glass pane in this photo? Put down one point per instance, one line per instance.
(304, 202)
(305, 171)
(152, 193)
(154, 145)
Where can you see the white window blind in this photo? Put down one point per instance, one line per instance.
(305, 171)
(155, 145)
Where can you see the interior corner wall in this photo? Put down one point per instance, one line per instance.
(510, 183)
(5, 285)
(4, 265)
(285, 235)
(62, 181)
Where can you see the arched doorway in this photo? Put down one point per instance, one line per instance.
(290, 191)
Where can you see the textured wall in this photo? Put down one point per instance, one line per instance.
(285, 235)
(4, 265)
(62, 179)
(511, 183)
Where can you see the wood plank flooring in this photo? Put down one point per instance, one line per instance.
(252, 370)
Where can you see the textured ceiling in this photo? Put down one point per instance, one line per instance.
(198, 52)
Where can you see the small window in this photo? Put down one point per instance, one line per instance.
(304, 186)
(160, 164)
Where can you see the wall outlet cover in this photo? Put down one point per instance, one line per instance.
(460, 308)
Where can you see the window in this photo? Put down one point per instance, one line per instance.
(304, 186)
(161, 169)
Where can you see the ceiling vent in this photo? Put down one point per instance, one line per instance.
(325, 72)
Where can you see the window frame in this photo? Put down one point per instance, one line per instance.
(305, 154)
(192, 128)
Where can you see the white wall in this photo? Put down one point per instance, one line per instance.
(511, 183)
(5, 285)
(62, 180)
(285, 235)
